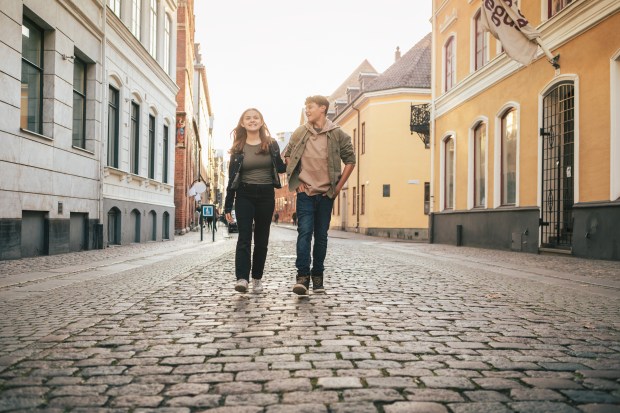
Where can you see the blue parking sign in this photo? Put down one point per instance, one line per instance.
(207, 210)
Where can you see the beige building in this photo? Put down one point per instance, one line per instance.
(386, 193)
(526, 157)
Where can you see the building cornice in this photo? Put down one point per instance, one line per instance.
(366, 96)
(578, 18)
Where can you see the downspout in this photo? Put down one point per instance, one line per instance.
(104, 124)
(357, 158)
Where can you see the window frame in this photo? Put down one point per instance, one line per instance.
(448, 198)
(479, 35)
(480, 142)
(136, 14)
(115, 6)
(363, 143)
(167, 41)
(38, 125)
(152, 146)
(563, 4)
(504, 200)
(134, 138)
(82, 140)
(153, 15)
(449, 62)
(165, 153)
(114, 149)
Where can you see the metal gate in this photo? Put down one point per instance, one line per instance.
(556, 222)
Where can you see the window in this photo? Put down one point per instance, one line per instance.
(480, 42)
(164, 172)
(136, 10)
(386, 191)
(363, 203)
(113, 124)
(167, 42)
(354, 139)
(449, 174)
(151, 147)
(449, 64)
(555, 6)
(363, 137)
(32, 77)
(115, 5)
(509, 157)
(134, 144)
(165, 227)
(480, 162)
(338, 207)
(153, 27)
(79, 103)
(354, 200)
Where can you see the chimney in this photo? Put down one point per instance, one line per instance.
(397, 54)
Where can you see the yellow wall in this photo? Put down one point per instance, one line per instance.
(587, 56)
(393, 156)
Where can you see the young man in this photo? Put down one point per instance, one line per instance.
(313, 158)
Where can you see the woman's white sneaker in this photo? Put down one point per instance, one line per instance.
(242, 285)
(257, 286)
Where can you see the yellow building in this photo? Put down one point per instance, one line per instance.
(385, 195)
(528, 157)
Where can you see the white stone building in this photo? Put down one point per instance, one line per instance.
(60, 60)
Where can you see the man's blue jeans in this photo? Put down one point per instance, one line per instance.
(313, 216)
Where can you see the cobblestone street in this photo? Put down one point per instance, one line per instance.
(404, 327)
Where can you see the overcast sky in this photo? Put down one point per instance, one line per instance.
(272, 54)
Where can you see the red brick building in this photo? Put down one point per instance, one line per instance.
(191, 132)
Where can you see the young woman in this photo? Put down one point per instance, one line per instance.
(253, 170)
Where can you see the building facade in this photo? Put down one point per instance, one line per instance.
(139, 90)
(526, 157)
(77, 78)
(385, 195)
(192, 122)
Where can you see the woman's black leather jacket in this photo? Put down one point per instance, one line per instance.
(234, 173)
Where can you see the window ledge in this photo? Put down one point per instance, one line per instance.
(38, 135)
(82, 150)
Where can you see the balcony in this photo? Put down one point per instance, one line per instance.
(420, 122)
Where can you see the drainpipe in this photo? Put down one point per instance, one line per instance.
(104, 124)
(432, 130)
(357, 158)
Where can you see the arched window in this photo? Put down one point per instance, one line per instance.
(165, 226)
(449, 173)
(480, 164)
(114, 226)
(136, 224)
(509, 130)
(449, 63)
(153, 226)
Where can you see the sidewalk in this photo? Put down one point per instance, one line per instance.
(95, 263)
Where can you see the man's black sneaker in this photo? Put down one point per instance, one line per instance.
(302, 286)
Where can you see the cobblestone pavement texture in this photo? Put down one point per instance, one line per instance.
(404, 327)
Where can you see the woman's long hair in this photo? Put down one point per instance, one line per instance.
(240, 134)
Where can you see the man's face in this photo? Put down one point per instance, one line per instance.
(314, 112)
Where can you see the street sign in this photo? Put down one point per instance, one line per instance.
(207, 210)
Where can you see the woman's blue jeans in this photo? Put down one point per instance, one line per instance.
(313, 216)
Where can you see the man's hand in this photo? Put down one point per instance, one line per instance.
(302, 187)
(229, 218)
